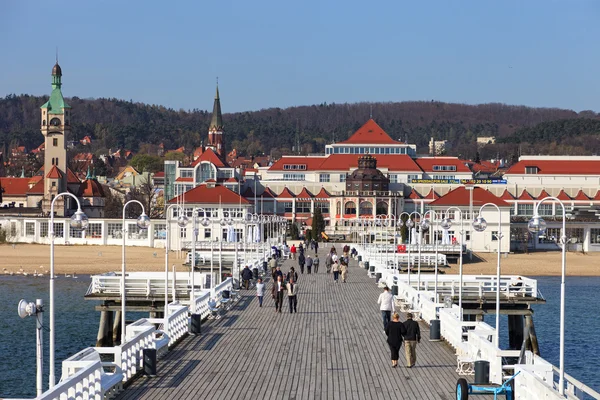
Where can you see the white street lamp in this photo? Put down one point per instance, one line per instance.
(446, 224)
(182, 222)
(143, 222)
(538, 225)
(79, 221)
(204, 222)
(480, 224)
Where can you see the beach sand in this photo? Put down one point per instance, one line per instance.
(99, 259)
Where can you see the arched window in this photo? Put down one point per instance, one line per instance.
(382, 208)
(338, 206)
(366, 208)
(350, 208)
(205, 172)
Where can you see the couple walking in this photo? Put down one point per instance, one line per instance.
(397, 332)
(277, 292)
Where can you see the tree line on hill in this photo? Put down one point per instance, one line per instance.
(114, 124)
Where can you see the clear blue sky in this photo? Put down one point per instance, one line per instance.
(284, 53)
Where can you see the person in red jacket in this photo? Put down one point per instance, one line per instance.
(293, 251)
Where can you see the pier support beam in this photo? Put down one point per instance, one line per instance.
(105, 336)
(515, 331)
(532, 342)
(117, 328)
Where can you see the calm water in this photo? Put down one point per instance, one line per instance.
(77, 326)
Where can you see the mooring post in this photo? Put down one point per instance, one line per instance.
(533, 342)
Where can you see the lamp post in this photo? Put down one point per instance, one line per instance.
(182, 222)
(409, 225)
(204, 222)
(78, 221)
(480, 224)
(423, 226)
(435, 239)
(538, 225)
(143, 222)
(446, 224)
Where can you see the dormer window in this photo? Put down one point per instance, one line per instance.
(531, 170)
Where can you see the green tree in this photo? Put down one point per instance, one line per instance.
(318, 224)
(404, 228)
(294, 231)
(146, 163)
(175, 156)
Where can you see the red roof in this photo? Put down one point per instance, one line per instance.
(543, 194)
(268, 193)
(286, 194)
(160, 174)
(393, 162)
(506, 195)
(597, 196)
(370, 133)
(15, 186)
(414, 195)
(558, 167)
(525, 195)
(309, 163)
(581, 196)
(210, 195)
(55, 173)
(180, 179)
(210, 156)
(304, 194)
(484, 166)
(461, 197)
(71, 177)
(232, 180)
(323, 194)
(427, 164)
(90, 188)
(38, 188)
(563, 196)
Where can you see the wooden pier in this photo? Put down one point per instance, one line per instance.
(333, 348)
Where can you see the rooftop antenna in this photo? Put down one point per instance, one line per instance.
(57, 54)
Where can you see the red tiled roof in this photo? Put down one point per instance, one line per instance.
(71, 177)
(38, 188)
(563, 196)
(484, 166)
(557, 167)
(304, 194)
(323, 194)
(525, 195)
(15, 186)
(581, 196)
(232, 180)
(427, 164)
(160, 174)
(370, 133)
(597, 196)
(543, 194)
(181, 179)
(431, 195)
(90, 188)
(414, 195)
(506, 195)
(393, 162)
(286, 194)
(268, 193)
(210, 195)
(54, 173)
(461, 197)
(210, 156)
(310, 163)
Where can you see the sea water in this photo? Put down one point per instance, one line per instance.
(77, 326)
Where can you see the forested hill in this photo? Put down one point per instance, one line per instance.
(116, 123)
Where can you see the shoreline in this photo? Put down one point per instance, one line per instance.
(96, 259)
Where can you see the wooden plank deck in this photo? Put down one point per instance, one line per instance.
(333, 348)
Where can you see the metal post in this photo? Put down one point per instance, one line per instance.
(51, 378)
(166, 311)
(193, 261)
(123, 267)
(39, 345)
(173, 284)
(561, 381)
(498, 280)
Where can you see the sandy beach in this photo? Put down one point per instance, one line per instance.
(99, 259)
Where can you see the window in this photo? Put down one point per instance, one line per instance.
(187, 173)
(575, 235)
(411, 177)
(115, 230)
(552, 235)
(207, 233)
(160, 231)
(393, 178)
(134, 232)
(293, 177)
(183, 233)
(350, 208)
(43, 229)
(342, 177)
(303, 206)
(531, 170)
(545, 209)
(294, 167)
(525, 210)
(324, 177)
(55, 142)
(595, 236)
(59, 230)
(366, 208)
(53, 184)
(94, 230)
(324, 207)
(287, 207)
(29, 229)
(444, 167)
(494, 236)
(467, 235)
(75, 233)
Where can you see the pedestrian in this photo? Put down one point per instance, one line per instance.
(346, 250)
(335, 267)
(277, 293)
(278, 272)
(293, 251)
(292, 290)
(309, 263)
(301, 261)
(394, 331)
(301, 249)
(412, 336)
(292, 275)
(386, 301)
(316, 264)
(328, 262)
(333, 251)
(246, 277)
(273, 264)
(260, 291)
(316, 249)
(344, 269)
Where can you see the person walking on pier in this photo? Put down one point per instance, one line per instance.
(260, 291)
(344, 269)
(309, 263)
(301, 261)
(328, 262)
(386, 302)
(277, 273)
(316, 264)
(394, 331)
(411, 338)
(335, 267)
(292, 290)
(293, 251)
(273, 264)
(292, 275)
(316, 248)
(277, 292)
(246, 277)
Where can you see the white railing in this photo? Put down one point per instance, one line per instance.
(177, 322)
(143, 284)
(202, 307)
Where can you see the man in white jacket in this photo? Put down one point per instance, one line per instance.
(386, 301)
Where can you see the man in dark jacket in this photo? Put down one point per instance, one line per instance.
(411, 338)
(301, 261)
(246, 276)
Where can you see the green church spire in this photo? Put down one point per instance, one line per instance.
(216, 122)
(56, 104)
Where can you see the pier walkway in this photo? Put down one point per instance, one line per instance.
(333, 348)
